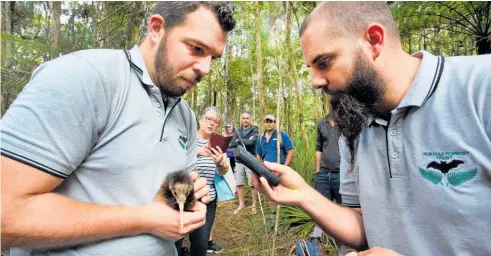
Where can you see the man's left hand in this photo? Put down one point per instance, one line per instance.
(201, 189)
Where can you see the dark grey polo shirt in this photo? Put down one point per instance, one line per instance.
(99, 123)
(423, 178)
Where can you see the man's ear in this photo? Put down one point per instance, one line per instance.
(375, 37)
(156, 28)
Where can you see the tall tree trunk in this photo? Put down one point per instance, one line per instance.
(209, 98)
(436, 35)
(226, 103)
(294, 73)
(105, 24)
(410, 45)
(47, 27)
(425, 42)
(259, 60)
(194, 102)
(483, 45)
(95, 19)
(215, 94)
(7, 47)
(254, 116)
(55, 29)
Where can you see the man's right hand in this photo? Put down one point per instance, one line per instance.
(291, 190)
(165, 222)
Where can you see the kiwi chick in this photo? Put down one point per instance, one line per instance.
(177, 191)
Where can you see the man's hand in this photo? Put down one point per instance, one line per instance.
(201, 189)
(166, 221)
(203, 151)
(292, 188)
(375, 251)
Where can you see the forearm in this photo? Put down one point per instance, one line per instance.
(289, 157)
(344, 224)
(318, 157)
(223, 169)
(51, 220)
(250, 142)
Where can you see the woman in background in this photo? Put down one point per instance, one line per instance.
(211, 162)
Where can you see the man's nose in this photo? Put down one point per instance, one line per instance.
(203, 65)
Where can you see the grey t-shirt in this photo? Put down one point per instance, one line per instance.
(100, 124)
(423, 178)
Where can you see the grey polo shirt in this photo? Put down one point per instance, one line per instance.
(98, 122)
(423, 178)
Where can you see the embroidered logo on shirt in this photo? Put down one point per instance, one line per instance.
(183, 139)
(446, 167)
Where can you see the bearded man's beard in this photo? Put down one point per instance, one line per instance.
(165, 73)
(354, 109)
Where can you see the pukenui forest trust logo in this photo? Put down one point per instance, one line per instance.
(446, 167)
(183, 139)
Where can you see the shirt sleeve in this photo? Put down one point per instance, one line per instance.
(287, 143)
(55, 121)
(319, 144)
(258, 147)
(192, 158)
(348, 188)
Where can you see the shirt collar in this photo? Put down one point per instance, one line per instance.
(425, 82)
(423, 85)
(138, 64)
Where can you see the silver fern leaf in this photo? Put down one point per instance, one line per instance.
(457, 178)
(433, 177)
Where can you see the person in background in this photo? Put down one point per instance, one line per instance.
(211, 162)
(326, 180)
(230, 131)
(266, 147)
(87, 143)
(248, 136)
(416, 138)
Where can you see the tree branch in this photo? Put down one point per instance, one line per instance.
(112, 30)
(295, 14)
(488, 23)
(460, 14)
(476, 19)
(109, 15)
(454, 20)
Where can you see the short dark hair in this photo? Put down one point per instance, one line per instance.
(353, 16)
(174, 12)
(246, 112)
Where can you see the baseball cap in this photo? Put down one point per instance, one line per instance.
(270, 117)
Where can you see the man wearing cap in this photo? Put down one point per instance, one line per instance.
(248, 136)
(267, 145)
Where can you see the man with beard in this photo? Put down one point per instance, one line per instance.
(416, 148)
(248, 136)
(88, 142)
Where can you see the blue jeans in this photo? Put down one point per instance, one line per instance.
(326, 183)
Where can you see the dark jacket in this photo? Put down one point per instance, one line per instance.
(327, 143)
(249, 138)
